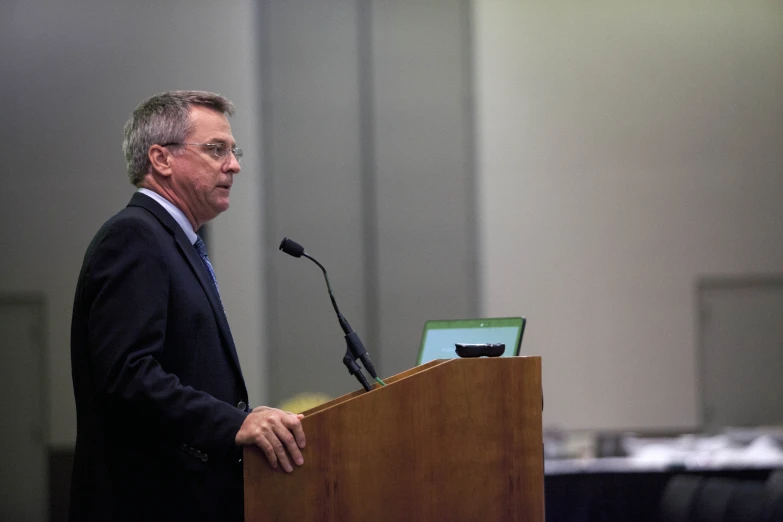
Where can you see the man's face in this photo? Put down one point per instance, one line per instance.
(201, 181)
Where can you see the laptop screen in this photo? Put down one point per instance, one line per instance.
(439, 337)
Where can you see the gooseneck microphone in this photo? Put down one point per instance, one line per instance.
(355, 349)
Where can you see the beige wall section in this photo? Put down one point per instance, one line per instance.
(72, 76)
(623, 149)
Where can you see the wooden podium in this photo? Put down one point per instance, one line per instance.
(452, 440)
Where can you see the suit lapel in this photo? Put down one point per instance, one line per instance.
(191, 255)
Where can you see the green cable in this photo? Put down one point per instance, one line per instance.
(380, 381)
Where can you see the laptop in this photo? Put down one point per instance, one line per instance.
(439, 337)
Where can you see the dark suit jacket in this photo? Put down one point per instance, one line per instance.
(159, 392)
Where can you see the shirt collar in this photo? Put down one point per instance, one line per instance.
(175, 212)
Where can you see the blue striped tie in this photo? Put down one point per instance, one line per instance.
(201, 248)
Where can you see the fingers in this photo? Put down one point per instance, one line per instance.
(279, 434)
(295, 427)
(291, 434)
(285, 446)
(268, 450)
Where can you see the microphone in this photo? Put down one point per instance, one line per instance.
(355, 349)
(291, 247)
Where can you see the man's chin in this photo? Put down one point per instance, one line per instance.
(216, 209)
(222, 206)
(222, 202)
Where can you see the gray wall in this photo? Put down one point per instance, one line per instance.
(624, 149)
(72, 73)
(368, 163)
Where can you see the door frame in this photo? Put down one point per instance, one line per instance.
(38, 303)
(719, 282)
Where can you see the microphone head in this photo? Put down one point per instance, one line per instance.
(291, 247)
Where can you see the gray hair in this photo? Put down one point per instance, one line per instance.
(162, 119)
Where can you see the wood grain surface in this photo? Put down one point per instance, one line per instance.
(451, 440)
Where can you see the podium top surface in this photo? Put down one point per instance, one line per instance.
(476, 363)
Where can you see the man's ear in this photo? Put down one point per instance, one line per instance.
(160, 159)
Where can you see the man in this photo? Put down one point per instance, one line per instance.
(160, 398)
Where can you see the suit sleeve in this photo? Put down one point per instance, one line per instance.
(128, 289)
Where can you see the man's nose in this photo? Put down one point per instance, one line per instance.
(233, 164)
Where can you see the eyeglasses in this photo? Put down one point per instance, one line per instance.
(219, 150)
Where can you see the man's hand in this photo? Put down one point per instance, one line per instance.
(279, 433)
